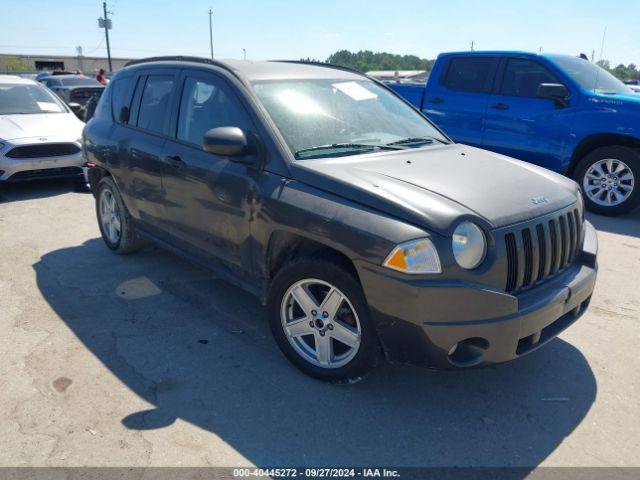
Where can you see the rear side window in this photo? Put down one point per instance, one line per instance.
(470, 74)
(154, 106)
(121, 96)
(103, 109)
(522, 77)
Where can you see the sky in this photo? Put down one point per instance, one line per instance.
(279, 29)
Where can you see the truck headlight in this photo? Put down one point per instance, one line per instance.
(416, 257)
(469, 245)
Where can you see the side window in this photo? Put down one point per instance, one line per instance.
(470, 74)
(207, 104)
(154, 106)
(121, 96)
(103, 109)
(522, 77)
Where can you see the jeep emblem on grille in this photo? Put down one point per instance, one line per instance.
(539, 200)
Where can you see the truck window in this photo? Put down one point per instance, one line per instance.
(207, 104)
(522, 77)
(470, 74)
(154, 106)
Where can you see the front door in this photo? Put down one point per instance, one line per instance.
(521, 125)
(208, 196)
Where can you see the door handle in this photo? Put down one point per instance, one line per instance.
(437, 100)
(500, 106)
(175, 161)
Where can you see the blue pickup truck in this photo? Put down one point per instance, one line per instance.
(557, 111)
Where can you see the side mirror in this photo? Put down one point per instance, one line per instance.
(75, 108)
(228, 141)
(554, 91)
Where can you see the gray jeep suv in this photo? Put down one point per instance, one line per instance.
(359, 224)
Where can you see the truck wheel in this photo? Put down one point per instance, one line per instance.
(609, 178)
(116, 225)
(320, 320)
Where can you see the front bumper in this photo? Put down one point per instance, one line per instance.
(458, 324)
(18, 169)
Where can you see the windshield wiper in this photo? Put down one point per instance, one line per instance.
(348, 146)
(412, 140)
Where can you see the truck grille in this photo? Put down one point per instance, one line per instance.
(539, 250)
(42, 150)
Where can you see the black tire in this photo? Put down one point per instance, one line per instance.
(128, 241)
(332, 272)
(631, 158)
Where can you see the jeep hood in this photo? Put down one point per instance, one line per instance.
(434, 186)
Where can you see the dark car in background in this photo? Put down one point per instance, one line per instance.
(74, 89)
(357, 222)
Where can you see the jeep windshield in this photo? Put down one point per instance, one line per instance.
(331, 118)
(590, 76)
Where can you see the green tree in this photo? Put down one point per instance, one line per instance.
(366, 60)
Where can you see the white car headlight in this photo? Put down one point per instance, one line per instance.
(416, 256)
(469, 245)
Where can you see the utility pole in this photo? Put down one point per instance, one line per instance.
(244, 53)
(79, 52)
(105, 23)
(211, 32)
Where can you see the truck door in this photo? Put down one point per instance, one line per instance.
(457, 99)
(520, 124)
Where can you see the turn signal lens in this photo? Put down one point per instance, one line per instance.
(416, 256)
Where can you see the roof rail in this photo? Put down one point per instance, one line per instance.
(324, 64)
(175, 58)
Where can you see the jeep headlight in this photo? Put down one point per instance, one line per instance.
(469, 245)
(416, 257)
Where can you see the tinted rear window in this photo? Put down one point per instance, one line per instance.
(121, 92)
(79, 82)
(470, 74)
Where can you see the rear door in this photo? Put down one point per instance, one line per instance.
(457, 99)
(141, 145)
(208, 196)
(520, 124)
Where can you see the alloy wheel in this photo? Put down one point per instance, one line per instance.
(320, 323)
(608, 182)
(110, 216)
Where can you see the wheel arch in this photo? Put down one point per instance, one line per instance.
(594, 141)
(285, 246)
(96, 174)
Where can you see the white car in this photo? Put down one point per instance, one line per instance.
(40, 137)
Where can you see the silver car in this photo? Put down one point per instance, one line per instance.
(40, 137)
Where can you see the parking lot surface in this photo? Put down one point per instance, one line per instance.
(146, 360)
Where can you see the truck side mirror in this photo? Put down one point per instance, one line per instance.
(554, 91)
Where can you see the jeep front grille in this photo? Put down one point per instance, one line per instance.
(538, 250)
